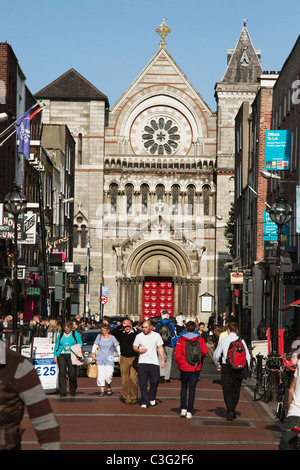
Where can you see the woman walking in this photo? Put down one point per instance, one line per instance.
(62, 356)
(103, 353)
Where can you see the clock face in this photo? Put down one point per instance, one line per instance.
(161, 130)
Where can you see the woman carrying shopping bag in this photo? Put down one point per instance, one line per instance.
(62, 356)
(103, 353)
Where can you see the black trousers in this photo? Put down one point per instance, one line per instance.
(65, 365)
(148, 373)
(231, 386)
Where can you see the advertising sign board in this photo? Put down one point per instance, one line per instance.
(277, 150)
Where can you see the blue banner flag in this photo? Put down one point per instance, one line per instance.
(22, 126)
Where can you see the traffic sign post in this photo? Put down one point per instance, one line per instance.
(103, 299)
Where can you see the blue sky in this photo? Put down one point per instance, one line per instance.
(109, 42)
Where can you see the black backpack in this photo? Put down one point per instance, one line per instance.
(61, 335)
(193, 352)
(165, 333)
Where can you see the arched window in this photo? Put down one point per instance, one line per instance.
(144, 195)
(190, 198)
(113, 191)
(175, 199)
(206, 195)
(80, 149)
(129, 198)
(160, 191)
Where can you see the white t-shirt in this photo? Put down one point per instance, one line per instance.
(294, 409)
(151, 343)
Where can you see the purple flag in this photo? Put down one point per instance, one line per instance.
(22, 126)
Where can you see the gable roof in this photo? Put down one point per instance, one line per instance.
(162, 56)
(71, 86)
(243, 62)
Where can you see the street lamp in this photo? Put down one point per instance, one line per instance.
(280, 213)
(15, 203)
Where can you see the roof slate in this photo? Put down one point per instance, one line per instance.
(244, 64)
(71, 86)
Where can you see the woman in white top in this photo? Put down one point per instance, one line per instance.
(103, 352)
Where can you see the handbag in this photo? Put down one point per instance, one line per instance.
(92, 370)
(76, 355)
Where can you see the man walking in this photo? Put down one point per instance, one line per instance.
(168, 333)
(231, 378)
(125, 334)
(146, 344)
(189, 366)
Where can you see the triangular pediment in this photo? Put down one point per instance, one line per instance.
(163, 71)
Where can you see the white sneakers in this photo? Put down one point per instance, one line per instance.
(152, 403)
(185, 414)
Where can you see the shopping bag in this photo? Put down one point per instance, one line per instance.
(92, 370)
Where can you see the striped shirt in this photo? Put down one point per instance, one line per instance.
(20, 386)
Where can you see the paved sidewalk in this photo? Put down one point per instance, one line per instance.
(88, 422)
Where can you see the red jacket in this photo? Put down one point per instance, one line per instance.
(180, 353)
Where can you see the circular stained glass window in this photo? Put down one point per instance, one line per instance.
(161, 136)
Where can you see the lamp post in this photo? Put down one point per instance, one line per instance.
(15, 203)
(280, 213)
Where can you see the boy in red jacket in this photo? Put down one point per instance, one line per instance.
(189, 367)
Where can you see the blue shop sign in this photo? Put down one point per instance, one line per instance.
(271, 231)
(278, 150)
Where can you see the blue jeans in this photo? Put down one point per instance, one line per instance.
(188, 382)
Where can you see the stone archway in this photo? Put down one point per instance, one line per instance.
(158, 260)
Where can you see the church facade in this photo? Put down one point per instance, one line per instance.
(152, 173)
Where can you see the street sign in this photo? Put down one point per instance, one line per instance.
(29, 229)
(103, 299)
(103, 290)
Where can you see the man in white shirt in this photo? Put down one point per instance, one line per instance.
(293, 415)
(147, 344)
(231, 379)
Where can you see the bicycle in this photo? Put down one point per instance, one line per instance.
(261, 378)
(285, 378)
(253, 364)
(267, 377)
(274, 365)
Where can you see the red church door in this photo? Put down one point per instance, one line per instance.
(158, 295)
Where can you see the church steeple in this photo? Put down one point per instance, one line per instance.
(243, 61)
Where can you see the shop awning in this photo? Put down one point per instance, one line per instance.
(293, 304)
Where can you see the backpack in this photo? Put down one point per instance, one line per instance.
(193, 352)
(62, 333)
(165, 333)
(236, 355)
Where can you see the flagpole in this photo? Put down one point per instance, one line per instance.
(11, 125)
(12, 133)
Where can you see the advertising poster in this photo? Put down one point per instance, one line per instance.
(277, 150)
(43, 361)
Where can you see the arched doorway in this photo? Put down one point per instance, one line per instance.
(158, 276)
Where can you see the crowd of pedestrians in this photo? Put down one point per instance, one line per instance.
(146, 351)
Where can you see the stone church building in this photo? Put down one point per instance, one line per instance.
(152, 172)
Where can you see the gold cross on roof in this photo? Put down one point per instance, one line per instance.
(163, 30)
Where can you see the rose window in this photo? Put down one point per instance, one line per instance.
(161, 136)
